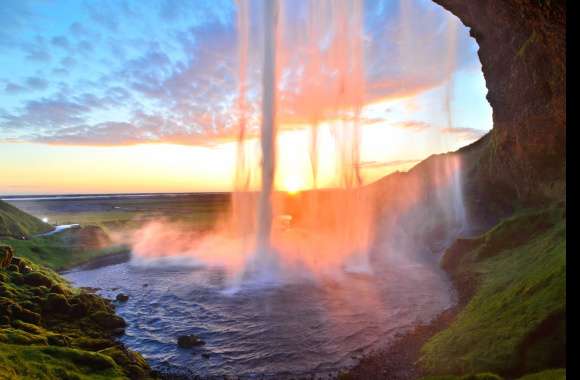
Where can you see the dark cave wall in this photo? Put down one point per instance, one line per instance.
(523, 55)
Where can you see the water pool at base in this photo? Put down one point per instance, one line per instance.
(312, 327)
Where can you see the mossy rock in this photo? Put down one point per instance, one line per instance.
(17, 336)
(36, 279)
(5, 291)
(92, 344)
(108, 320)
(6, 255)
(90, 302)
(82, 358)
(58, 289)
(25, 315)
(56, 303)
(28, 327)
(49, 330)
(59, 340)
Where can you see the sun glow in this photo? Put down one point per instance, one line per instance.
(292, 185)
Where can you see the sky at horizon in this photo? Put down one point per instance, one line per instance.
(118, 96)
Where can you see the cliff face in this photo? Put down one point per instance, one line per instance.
(523, 54)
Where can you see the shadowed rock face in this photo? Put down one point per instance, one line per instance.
(523, 54)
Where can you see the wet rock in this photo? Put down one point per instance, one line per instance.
(89, 289)
(118, 331)
(6, 255)
(122, 297)
(189, 341)
(132, 361)
(108, 321)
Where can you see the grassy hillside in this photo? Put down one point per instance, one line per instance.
(512, 280)
(57, 252)
(17, 223)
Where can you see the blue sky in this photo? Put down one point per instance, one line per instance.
(124, 72)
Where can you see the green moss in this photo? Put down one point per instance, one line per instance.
(551, 374)
(33, 362)
(479, 376)
(514, 322)
(62, 340)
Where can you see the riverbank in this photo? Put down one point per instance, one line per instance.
(107, 259)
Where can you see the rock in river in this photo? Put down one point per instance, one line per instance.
(189, 341)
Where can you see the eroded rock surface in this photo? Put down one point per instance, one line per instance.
(523, 55)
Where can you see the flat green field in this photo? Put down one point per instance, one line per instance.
(198, 209)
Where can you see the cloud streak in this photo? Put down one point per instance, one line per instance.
(125, 73)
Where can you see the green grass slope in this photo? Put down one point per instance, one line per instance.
(512, 280)
(56, 252)
(16, 223)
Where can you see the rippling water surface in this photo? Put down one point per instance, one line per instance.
(319, 326)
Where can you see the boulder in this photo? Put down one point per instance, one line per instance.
(122, 297)
(108, 321)
(189, 341)
(56, 303)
